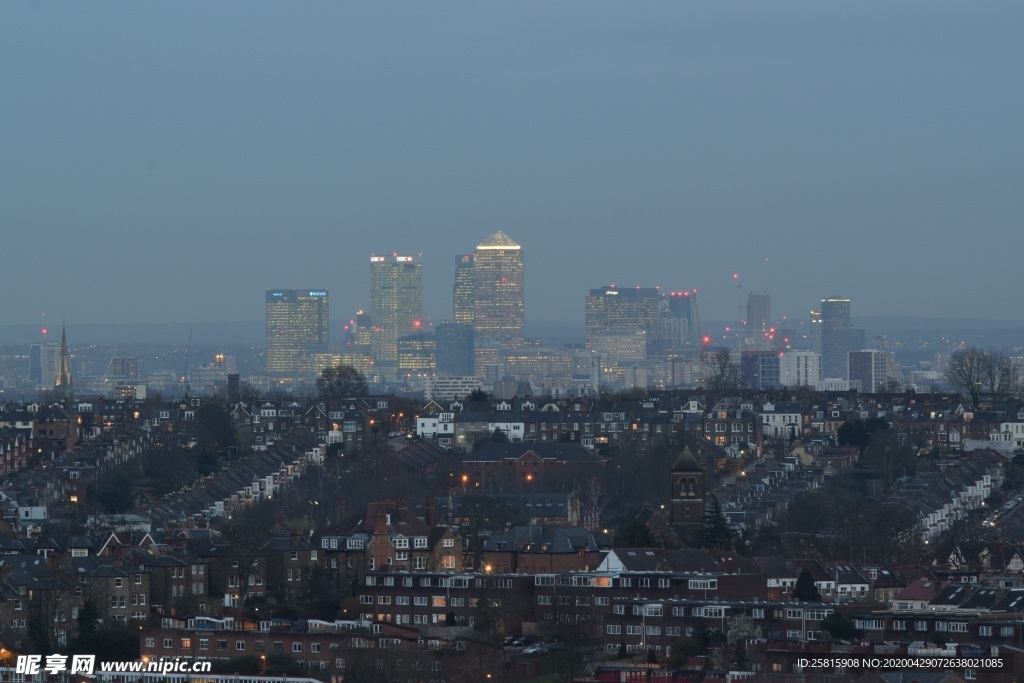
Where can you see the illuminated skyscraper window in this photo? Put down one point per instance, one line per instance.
(297, 331)
(498, 307)
(396, 302)
(462, 291)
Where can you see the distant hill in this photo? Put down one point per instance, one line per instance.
(911, 322)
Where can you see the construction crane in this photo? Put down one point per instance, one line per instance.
(106, 375)
(700, 340)
(893, 370)
(188, 353)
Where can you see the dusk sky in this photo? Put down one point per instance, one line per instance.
(170, 161)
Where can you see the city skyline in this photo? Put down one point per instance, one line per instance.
(663, 145)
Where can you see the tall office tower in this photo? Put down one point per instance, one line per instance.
(679, 316)
(361, 328)
(814, 332)
(454, 349)
(43, 359)
(869, 368)
(297, 331)
(759, 319)
(417, 354)
(622, 310)
(838, 338)
(462, 291)
(396, 302)
(498, 307)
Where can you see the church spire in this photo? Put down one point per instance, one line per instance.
(64, 386)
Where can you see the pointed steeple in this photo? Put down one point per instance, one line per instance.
(64, 386)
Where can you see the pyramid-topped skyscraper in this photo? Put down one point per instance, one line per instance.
(498, 307)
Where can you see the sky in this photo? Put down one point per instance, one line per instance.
(169, 161)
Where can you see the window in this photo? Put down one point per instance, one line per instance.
(118, 583)
(296, 647)
(150, 642)
(614, 629)
(204, 643)
(168, 643)
(703, 584)
(240, 645)
(448, 543)
(633, 630)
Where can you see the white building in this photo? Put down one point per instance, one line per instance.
(799, 369)
(447, 389)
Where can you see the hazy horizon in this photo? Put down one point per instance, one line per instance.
(170, 162)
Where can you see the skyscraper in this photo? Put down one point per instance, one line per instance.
(679, 317)
(396, 302)
(498, 306)
(43, 359)
(838, 337)
(868, 368)
(297, 331)
(759, 319)
(462, 291)
(454, 349)
(617, 310)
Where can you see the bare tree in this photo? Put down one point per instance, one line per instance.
(1000, 377)
(341, 381)
(982, 373)
(723, 373)
(965, 372)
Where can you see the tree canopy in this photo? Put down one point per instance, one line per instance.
(342, 381)
(982, 373)
(805, 589)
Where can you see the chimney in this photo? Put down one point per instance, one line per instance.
(380, 542)
(400, 508)
(339, 511)
(379, 524)
(431, 513)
